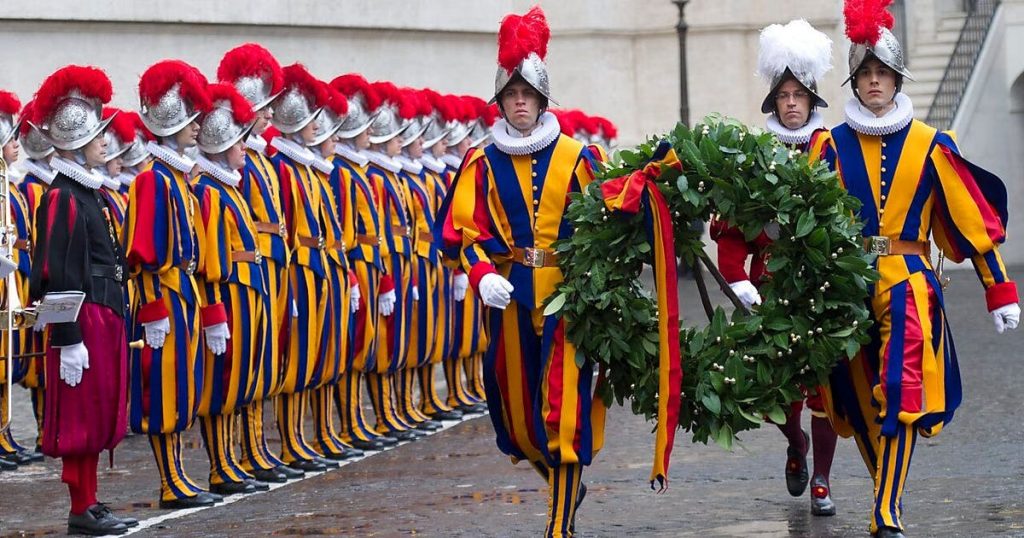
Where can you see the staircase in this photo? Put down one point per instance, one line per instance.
(928, 61)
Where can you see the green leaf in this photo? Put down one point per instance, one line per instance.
(805, 224)
(777, 415)
(555, 305)
(724, 437)
(712, 402)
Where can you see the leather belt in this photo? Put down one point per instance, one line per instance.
(312, 242)
(113, 272)
(189, 266)
(403, 231)
(251, 256)
(23, 244)
(884, 246)
(369, 240)
(340, 247)
(535, 257)
(276, 228)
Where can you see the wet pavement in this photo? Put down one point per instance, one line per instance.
(967, 482)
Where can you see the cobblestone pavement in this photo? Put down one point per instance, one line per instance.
(967, 482)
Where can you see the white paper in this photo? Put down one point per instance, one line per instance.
(59, 307)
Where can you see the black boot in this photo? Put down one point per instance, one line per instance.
(367, 445)
(128, 521)
(796, 469)
(232, 488)
(7, 465)
(269, 475)
(95, 522)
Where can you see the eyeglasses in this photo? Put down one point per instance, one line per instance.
(784, 96)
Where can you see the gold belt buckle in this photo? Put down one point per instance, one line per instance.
(321, 243)
(191, 269)
(259, 257)
(533, 257)
(119, 273)
(282, 230)
(880, 245)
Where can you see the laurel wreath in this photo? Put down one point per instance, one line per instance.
(739, 369)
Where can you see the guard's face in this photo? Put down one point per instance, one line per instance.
(263, 117)
(463, 147)
(115, 167)
(327, 146)
(393, 147)
(439, 149)
(793, 104)
(308, 133)
(186, 138)
(11, 150)
(876, 84)
(415, 148)
(520, 105)
(363, 140)
(95, 151)
(235, 156)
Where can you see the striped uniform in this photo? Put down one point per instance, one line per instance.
(539, 397)
(261, 189)
(367, 265)
(913, 184)
(235, 277)
(163, 251)
(308, 288)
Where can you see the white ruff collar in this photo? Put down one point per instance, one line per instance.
(409, 165)
(864, 122)
(40, 170)
(434, 165)
(230, 178)
(798, 136)
(126, 178)
(385, 162)
(323, 165)
(351, 154)
(297, 153)
(547, 131)
(256, 143)
(108, 181)
(77, 172)
(177, 161)
(452, 160)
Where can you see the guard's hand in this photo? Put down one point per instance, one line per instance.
(461, 285)
(386, 303)
(746, 292)
(495, 290)
(156, 332)
(217, 337)
(353, 299)
(1006, 317)
(74, 360)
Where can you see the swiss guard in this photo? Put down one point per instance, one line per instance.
(913, 185)
(78, 249)
(792, 58)
(504, 211)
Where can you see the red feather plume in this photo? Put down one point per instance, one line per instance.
(588, 123)
(251, 60)
(336, 101)
(865, 19)
(269, 135)
(478, 105)
(460, 111)
(491, 114)
(121, 126)
(91, 82)
(608, 128)
(162, 76)
(241, 110)
(439, 103)
(352, 84)
(296, 75)
(519, 35)
(391, 94)
(26, 113)
(566, 121)
(140, 128)
(9, 103)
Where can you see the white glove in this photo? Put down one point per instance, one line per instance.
(461, 285)
(415, 293)
(1006, 317)
(73, 360)
(386, 303)
(15, 302)
(353, 298)
(495, 290)
(295, 309)
(217, 337)
(156, 332)
(746, 292)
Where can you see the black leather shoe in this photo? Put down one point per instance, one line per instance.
(269, 475)
(335, 456)
(429, 426)
(405, 435)
(309, 466)
(217, 497)
(35, 455)
(107, 512)
(454, 414)
(472, 409)
(21, 457)
(888, 532)
(258, 485)
(232, 488)
(7, 465)
(95, 523)
(796, 469)
(359, 444)
(352, 452)
(197, 501)
(821, 498)
(388, 440)
(290, 473)
(326, 462)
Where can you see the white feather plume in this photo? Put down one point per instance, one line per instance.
(797, 45)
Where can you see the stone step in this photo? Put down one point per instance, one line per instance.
(934, 49)
(926, 63)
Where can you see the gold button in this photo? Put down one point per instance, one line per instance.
(883, 197)
(883, 183)
(883, 157)
(534, 174)
(534, 161)
(536, 214)
(536, 202)
(883, 144)
(534, 188)
(883, 169)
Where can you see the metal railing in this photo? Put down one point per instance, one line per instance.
(899, 28)
(961, 63)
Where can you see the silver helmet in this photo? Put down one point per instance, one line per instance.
(172, 95)
(387, 124)
(459, 130)
(115, 148)
(436, 130)
(886, 50)
(136, 152)
(74, 122)
(518, 34)
(479, 134)
(417, 126)
(254, 72)
(302, 99)
(358, 119)
(36, 145)
(9, 106)
(219, 130)
(7, 128)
